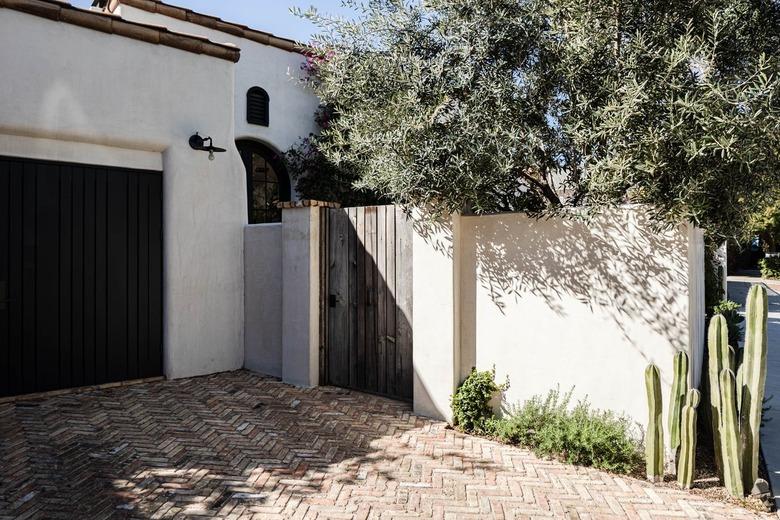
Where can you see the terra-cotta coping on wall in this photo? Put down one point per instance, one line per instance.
(211, 22)
(108, 23)
(307, 204)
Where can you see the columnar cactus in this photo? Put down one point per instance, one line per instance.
(735, 403)
(729, 435)
(677, 398)
(718, 352)
(654, 441)
(753, 381)
(740, 380)
(687, 463)
(732, 365)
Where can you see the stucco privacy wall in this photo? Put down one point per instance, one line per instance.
(263, 298)
(277, 71)
(301, 296)
(92, 93)
(583, 304)
(436, 317)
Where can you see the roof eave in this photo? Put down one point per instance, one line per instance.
(107, 23)
(213, 22)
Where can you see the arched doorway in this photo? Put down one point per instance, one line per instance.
(267, 181)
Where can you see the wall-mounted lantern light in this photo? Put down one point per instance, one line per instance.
(199, 143)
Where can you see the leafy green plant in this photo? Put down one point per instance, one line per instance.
(713, 275)
(316, 177)
(730, 310)
(770, 267)
(578, 435)
(471, 403)
(766, 224)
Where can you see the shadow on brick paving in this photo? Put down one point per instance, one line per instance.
(206, 446)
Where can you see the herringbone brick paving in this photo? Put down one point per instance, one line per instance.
(238, 445)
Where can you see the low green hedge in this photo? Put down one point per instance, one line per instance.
(551, 427)
(770, 267)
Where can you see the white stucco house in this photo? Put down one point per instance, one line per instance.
(271, 111)
(131, 248)
(124, 244)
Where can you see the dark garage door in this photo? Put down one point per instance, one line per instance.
(80, 275)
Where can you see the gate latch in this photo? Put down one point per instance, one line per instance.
(333, 300)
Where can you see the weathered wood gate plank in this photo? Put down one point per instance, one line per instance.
(393, 385)
(370, 281)
(338, 297)
(404, 367)
(360, 280)
(352, 363)
(381, 302)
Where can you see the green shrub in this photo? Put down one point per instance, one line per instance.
(549, 426)
(730, 311)
(471, 402)
(580, 435)
(713, 276)
(770, 267)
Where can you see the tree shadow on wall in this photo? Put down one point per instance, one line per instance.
(618, 264)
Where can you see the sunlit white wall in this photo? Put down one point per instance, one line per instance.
(78, 95)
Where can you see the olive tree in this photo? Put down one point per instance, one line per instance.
(543, 105)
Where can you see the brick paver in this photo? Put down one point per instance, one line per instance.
(239, 445)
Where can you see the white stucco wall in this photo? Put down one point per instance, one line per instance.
(436, 317)
(70, 93)
(579, 304)
(301, 296)
(277, 71)
(263, 298)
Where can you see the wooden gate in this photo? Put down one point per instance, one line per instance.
(367, 300)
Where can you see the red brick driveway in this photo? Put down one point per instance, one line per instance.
(241, 446)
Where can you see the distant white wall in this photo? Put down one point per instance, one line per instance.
(275, 70)
(74, 94)
(263, 298)
(582, 304)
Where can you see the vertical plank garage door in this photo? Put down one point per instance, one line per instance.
(80, 275)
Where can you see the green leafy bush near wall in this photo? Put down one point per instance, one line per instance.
(713, 276)
(471, 402)
(770, 268)
(550, 426)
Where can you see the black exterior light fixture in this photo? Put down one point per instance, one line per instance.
(199, 143)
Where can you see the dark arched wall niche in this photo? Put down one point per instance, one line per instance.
(267, 181)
